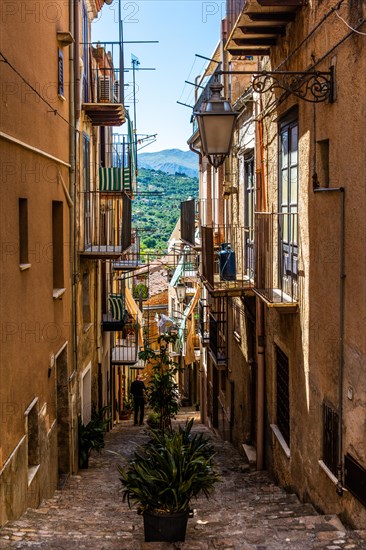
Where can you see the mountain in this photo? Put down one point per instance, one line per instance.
(171, 161)
(156, 206)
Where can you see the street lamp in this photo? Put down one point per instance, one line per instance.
(181, 291)
(216, 121)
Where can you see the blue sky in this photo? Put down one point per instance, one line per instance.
(183, 28)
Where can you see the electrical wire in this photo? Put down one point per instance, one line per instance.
(324, 18)
(53, 110)
(348, 25)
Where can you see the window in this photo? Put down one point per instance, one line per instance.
(86, 401)
(218, 328)
(249, 206)
(283, 398)
(32, 433)
(87, 197)
(85, 36)
(23, 231)
(60, 79)
(57, 245)
(288, 204)
(330, 438)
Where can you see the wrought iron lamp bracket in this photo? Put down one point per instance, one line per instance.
(311, 86)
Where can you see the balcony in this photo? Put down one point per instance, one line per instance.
(103, 84)
(126, 343)
(105, 224)
(217, 339)
(276, 280)
(259, 26)
(204, 326)
(114, 316)
(131, 258)
(227, 266)
(122, 155)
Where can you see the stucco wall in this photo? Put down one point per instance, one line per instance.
(311, 337)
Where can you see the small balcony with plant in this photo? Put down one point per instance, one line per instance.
(276, 281)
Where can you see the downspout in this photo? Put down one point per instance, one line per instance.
(72, 156)
(76, 58)
(260, 194)
(74, 94)
(342, 277)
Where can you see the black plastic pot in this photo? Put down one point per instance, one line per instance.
(165, 527)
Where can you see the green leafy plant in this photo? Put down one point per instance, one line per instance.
(162, 389)
(140, 291)
(153, 420)
(170, 470)
(91, 436)
(127, 404)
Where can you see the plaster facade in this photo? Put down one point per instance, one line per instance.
(301, 332)
(35, 285)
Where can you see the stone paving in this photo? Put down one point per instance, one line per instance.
(247, 512)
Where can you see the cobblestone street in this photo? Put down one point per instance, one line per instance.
(247, 512)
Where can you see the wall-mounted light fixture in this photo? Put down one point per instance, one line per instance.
(181, 291)
(216, 121)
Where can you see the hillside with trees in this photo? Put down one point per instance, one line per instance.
(156, 207)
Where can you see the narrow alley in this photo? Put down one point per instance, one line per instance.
(248, 511)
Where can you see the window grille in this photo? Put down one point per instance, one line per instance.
(60, 86)
(330, 438)
(283, 397)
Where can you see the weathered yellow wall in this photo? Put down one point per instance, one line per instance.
(34, 326)
(310, 337)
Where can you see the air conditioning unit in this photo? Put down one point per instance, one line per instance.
(104, 89)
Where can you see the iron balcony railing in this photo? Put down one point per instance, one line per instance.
(125, 347)
(130, 259)
(114, 313)
(105, 223)
(102, 80)
(121, 154)
(228, 264)
(276, 280)
(217, 339)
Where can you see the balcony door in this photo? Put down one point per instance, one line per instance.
(249, 206)
(87, 198)
(288, 205)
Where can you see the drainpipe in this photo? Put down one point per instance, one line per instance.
(77, 108)
(259, 305)
(72, 257)
(74, 29)
(342, 277)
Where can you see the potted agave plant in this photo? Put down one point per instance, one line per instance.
(164, 476)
